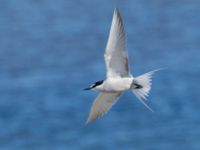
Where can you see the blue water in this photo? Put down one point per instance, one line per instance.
(51, 50)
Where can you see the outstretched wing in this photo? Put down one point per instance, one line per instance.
(102, 104)
(116, 55)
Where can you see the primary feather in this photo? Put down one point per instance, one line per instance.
(116, 56)
(102, 104)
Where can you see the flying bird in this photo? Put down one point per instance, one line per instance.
(118, 78)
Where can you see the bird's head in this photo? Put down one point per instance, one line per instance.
(95, 85)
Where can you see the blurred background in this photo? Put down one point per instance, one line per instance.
(51, 50)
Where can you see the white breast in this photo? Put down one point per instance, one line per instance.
(117, 84)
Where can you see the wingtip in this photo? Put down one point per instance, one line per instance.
(88, 121)
(116, 10)
(117, 16)
(92, 118)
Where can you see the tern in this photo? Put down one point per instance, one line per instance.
(118, 78)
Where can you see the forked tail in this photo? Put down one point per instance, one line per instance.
(141, 87)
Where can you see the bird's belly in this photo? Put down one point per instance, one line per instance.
(118, 85)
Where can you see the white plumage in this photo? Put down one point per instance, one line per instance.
(102, 104)
(118, 77)
(116, 55)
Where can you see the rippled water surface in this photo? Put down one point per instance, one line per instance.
(51, 50)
